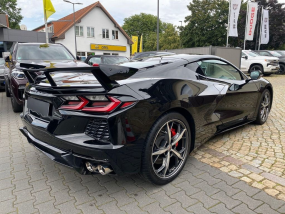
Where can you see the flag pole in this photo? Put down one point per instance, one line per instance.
(228, 23)
(46, 28)
(260, 30)
(245, 28)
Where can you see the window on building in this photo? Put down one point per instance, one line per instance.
(115, 34)
(105, 33)
(82, 55)
(79, 31)
(90, 53)
(50, 29)
(106, 54)
(90, 32)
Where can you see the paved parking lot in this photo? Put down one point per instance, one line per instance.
(241, 171)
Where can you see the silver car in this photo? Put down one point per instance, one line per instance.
(2, 80)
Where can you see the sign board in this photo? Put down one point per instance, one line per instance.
(108, 47)
(252, 9)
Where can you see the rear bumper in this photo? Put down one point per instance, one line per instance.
(71, 151)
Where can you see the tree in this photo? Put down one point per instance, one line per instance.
(206, 24)
(10, 8)
(208, 20)
(168, 39)
(146, 25)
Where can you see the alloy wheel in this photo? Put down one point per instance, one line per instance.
(169, 150)
(265, 106)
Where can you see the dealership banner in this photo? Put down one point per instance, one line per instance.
(264, 39)
(135, 40)
(252, 9)
(234, 13)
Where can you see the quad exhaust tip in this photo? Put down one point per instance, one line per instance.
(102, 169)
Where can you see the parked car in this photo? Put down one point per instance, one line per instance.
(141, 116)
(274, 54)
(282, 52)
(96, 60)
(142, 55)
(2, 80)
(251, 61)
(51, 55)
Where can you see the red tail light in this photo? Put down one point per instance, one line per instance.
(86, 105)
(109, 106)
(127, 104)
(75, 105)
(95, 65)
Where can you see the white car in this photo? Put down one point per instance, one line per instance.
(251, 61)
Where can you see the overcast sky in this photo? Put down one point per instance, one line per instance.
(171, 11)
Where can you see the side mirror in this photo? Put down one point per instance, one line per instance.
(255, 75)
(7, 59)
(245, 57)
(78, 57)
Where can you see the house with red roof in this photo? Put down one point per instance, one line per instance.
(97, 32)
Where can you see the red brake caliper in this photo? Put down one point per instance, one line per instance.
(173, 133)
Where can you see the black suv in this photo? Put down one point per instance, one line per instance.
(49, 55)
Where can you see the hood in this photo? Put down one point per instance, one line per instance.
(54, 63)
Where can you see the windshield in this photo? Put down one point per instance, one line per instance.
(274, 53)
(281, 52)
(114, 60)
(251, 53)
(43, 52)
(2, 61)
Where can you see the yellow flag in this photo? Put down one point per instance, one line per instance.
(135, 45)
(141, 46)
(48, 8)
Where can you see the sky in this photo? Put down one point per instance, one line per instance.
(171, 11)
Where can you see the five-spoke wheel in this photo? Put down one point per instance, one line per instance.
(167, 148)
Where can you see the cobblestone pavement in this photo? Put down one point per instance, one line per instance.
(250, 162)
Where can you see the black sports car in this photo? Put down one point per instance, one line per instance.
(140, 116)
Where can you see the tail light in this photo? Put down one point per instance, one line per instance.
(101, 104)
(105, 106)
(73, 104)
(95, 65)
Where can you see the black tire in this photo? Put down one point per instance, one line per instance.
(264, 107)
(282, 68)
(16, 107)
(7, 90)
(177, 151)
(256, 68)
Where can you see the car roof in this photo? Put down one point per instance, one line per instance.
(190, 58)
(35, 43)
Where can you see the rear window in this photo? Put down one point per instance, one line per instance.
(94, 60)
(114, 60)
(43, 52)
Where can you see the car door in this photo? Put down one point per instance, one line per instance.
(238, 96)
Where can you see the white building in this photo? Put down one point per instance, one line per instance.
(97, 33)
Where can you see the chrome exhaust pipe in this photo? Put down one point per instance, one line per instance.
(90, 167)
(104, 170)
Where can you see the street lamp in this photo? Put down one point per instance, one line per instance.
(157, 26)
(180, 34)
(73, 23)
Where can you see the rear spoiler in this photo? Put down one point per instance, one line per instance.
(107, 75)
